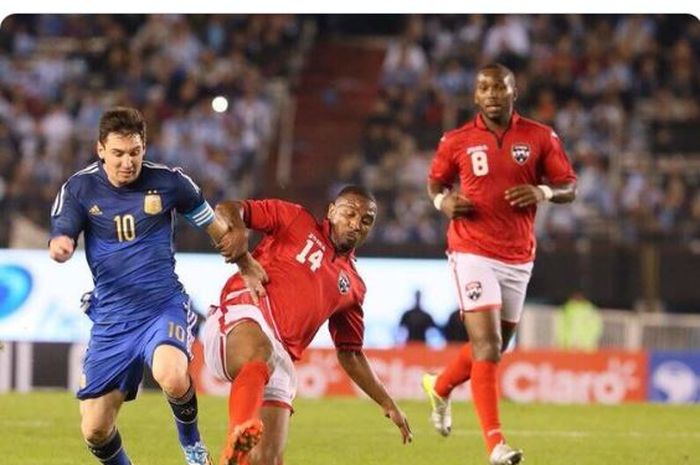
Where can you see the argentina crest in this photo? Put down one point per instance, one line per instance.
(343, 283)
(520, 153)
(152, 203)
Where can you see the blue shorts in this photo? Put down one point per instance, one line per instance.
(117, 352)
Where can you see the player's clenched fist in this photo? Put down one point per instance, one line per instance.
(61, 248)
(456, 205)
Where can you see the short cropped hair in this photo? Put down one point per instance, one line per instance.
(504, 70)
(356, 190)
(124, 121)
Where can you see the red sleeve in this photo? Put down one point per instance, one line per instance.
(269, 215)
(443, 168)
(347, 328)
(557, 168)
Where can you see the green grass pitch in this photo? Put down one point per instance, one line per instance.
(42, 429)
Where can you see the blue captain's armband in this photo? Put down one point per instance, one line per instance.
(201, 216)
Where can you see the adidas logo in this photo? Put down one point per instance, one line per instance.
(95, 210)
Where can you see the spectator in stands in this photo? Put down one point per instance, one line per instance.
(579, 325)
(454, 330)
(415, 322)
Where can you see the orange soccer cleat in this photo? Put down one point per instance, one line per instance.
(241, 441)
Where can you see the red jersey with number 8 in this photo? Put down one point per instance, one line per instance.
(309, 282)
(486, 165)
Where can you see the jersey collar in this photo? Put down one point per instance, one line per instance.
(479, 121)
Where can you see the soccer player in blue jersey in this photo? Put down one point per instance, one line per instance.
(126, 208)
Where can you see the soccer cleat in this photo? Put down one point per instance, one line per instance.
(241, 441)
(441, 414)
(503, 454)
(197, 454)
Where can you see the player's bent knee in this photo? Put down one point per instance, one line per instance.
(95, 433)
(487, 349)
(174, 384)
(170, 370)
(172, 379)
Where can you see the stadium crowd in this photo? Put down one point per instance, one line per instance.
(615, 87)
(58, 73)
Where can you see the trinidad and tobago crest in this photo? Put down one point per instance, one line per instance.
(473, 290)
(343, 283)
(520, 152)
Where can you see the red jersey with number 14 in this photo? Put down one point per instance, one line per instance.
(486, 165)
(309, 282)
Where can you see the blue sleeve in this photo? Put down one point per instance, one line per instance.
(190, 201)
(67, 215)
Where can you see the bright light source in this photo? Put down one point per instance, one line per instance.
(219, 104)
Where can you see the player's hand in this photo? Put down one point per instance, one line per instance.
(254, 276)
(61, 248)
(524, 195)
(233, 244)
(456, 205)
(394, 413)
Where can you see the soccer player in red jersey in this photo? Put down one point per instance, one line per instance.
(505, 164)
(300, 275)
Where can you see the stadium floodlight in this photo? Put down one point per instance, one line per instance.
(219, 104)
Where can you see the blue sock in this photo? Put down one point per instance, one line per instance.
(111, 452)
(185, 411)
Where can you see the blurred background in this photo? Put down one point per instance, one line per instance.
(295, 106)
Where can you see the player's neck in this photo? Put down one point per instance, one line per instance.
(498, 126)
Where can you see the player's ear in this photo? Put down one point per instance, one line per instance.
(331, 210)
(100, 151)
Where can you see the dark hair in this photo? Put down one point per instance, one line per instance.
(356, 190)
(124, 121)
(504, 70)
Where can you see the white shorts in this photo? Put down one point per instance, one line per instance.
(282, 386)
(484, 283)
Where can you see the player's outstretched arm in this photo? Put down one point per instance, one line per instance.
(254, 276)
(233, 245)
(357, 367)
(61, 248)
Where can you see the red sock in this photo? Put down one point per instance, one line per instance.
(457, 372)
(485, 394)
(246, 395)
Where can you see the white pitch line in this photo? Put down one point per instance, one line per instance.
(581, 434)
(25, 423)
